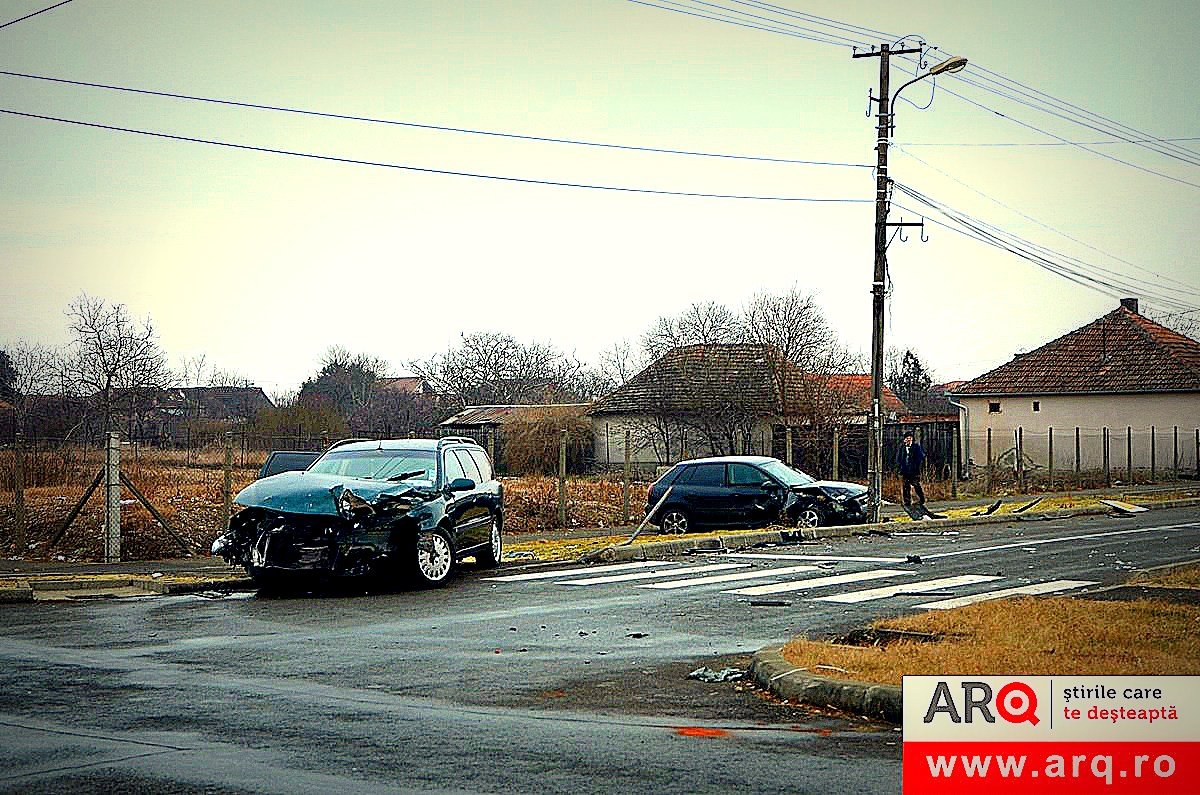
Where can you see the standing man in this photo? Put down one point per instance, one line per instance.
(909, 461)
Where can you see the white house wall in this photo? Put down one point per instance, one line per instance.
(1132, 415)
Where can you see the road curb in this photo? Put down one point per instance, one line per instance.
(15, 595)
(771, 670)
(661, 550)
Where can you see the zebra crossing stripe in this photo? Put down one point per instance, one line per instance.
(549, 575)
(649, 575)
(1024, 590)
(907, 588)
(760, 574)
(835, 558)
(819, 582)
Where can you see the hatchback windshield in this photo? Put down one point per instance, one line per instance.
(786, 475)
(406, 465)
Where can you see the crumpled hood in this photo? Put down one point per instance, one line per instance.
(311, 492)
(854, 488)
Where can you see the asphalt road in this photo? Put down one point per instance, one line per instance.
(491, 685)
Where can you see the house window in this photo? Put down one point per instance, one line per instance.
(993, 407)
(1037, 405)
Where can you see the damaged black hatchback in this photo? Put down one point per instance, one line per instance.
(403, 508)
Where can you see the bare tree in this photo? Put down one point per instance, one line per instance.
(494, 368)
(229, 378)
(1186, 323)
(113, 356)
(35, 372)
(193, 370)
(702, 323)
(619, 363)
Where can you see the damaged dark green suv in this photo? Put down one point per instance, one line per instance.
(383, 509)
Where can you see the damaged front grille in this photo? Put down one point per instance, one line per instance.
(272, 540)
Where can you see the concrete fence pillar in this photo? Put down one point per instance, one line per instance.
(112, 502)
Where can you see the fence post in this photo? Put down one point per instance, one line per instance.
(1175, 452)
(19, 494)
(1129, 454)
(954, 452)
(989, 462)
(1153, 454)
(324, 440)
(787, 452)
(112, 493)
(1019, 454)
(227, 511)
(1050, 455)
(1107, 450)
(1198, 452)
(562, 480)
(625, 480)
(837, 452)
(1078, 476)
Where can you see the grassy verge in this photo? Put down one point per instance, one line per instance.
(1030, 636)
(1185, 577)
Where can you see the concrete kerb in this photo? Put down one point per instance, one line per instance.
(771, 670)
(883, 702)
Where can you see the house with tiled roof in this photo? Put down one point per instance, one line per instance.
(1122, 374)
(710, 399)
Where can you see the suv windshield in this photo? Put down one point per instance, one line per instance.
(786, 475)
(420, 465)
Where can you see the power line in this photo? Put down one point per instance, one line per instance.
(1191, 158)
(34, 14)
(833, 23)
(1044, 143)
(1064, 265)
(426, 170)
(903, 148)
(851, 42)
(420, 125)
(1081, 110)
(729, 20)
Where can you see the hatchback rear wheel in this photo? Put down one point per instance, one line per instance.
(674, 521)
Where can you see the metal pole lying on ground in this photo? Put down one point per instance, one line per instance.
(649, 513)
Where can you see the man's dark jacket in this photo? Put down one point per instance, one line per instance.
(909, 460)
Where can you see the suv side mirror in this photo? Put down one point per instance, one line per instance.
(460, 484)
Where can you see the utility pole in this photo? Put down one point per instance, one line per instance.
(879, 280)
(886, 102)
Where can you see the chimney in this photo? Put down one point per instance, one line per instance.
(1131, 304)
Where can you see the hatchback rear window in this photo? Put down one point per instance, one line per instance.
(708, 475)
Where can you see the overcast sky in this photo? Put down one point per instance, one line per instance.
(261, 261)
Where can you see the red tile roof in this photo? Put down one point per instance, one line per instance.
(855, 388)
(1119, 353)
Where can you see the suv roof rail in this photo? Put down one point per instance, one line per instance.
(351, 440)
(454, 439)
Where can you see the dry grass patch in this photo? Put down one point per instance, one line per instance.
(1184, 577)
(1028, 636)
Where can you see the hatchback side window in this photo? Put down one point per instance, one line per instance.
(745, 475)
(452, 469)
(482, 463)
(708, 475)
(468, 465)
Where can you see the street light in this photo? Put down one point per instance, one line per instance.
(884, 128)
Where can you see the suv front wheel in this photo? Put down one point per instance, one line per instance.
(432, 558)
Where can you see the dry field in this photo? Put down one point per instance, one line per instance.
(190, 498)
(1029, 636)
